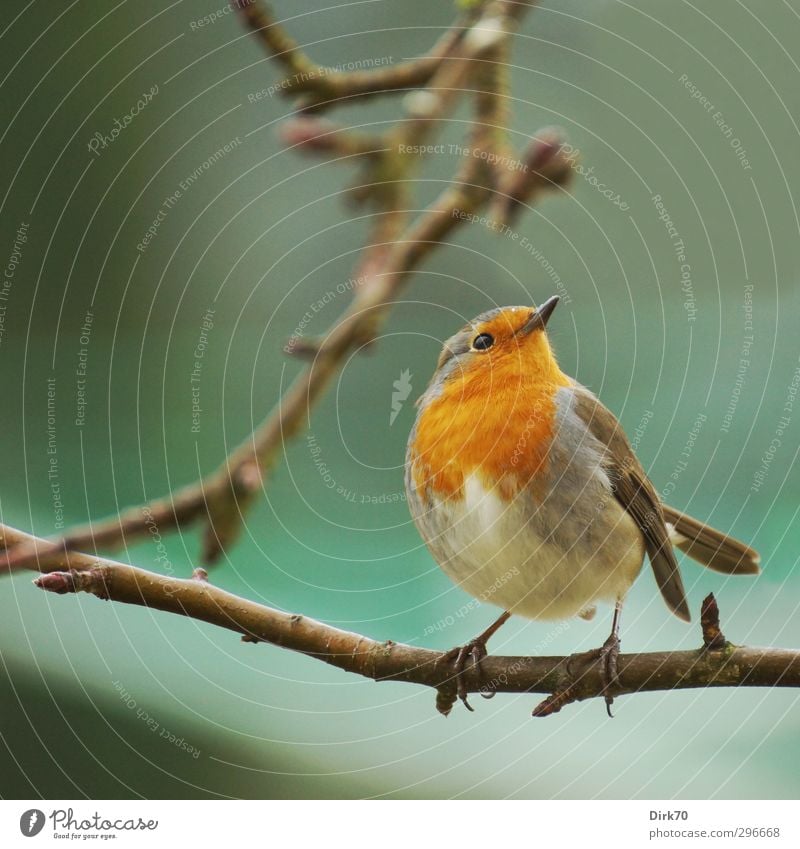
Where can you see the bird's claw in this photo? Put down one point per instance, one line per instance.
(609, 671)
(607, 656)
(475, 649)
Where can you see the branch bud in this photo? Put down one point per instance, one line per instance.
(547, 162)
(312, 135)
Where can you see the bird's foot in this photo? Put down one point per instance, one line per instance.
(608, 657)
(458, 656)
(475, 649)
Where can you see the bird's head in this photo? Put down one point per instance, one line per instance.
(498, 345)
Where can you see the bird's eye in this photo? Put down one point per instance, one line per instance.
(482, 342)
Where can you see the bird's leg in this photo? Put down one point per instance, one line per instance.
(608, 655)
(476, 649)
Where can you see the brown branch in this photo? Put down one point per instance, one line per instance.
(326, 85)
(474, 61)
(323, 86)
(388, 661)
(11, 538)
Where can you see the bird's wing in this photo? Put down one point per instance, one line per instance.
(635, 492)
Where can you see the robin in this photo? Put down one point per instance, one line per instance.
(528, 493)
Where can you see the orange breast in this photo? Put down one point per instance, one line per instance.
(495, 422)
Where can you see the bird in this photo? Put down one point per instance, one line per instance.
(529, 496)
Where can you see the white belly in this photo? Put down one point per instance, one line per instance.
(553, 560)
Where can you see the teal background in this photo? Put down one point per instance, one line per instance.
(260, 237)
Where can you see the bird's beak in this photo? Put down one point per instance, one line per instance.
(538, 321)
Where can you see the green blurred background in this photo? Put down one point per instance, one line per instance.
(105, 701)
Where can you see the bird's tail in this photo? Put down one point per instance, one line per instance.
(711, 547)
